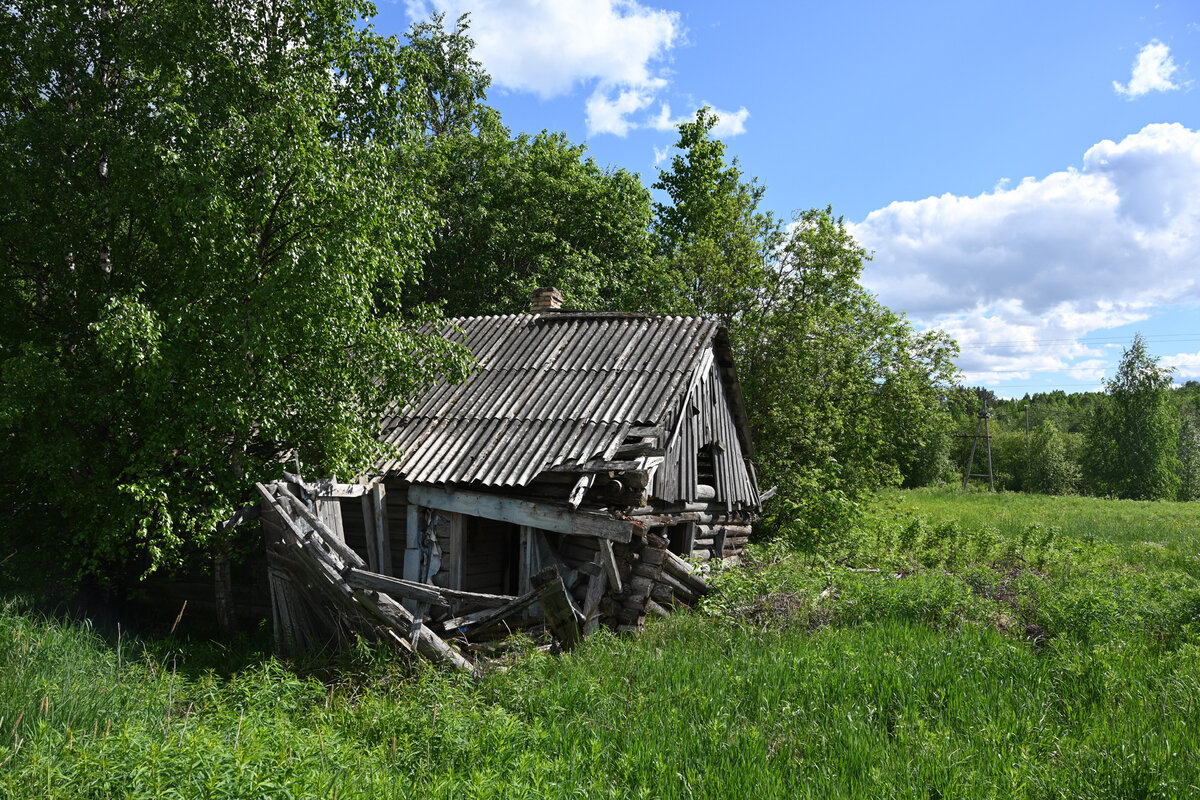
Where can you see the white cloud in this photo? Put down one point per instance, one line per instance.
(1152, 71)
(611, 115)
(548, 47)
(1186, 365)
(619, 48)
(1048, 260)
(552, 47)
(661, 155)
(729, 123)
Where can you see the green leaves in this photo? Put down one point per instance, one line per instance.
(842, 394)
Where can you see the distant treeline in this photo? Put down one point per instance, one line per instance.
(1140, 439)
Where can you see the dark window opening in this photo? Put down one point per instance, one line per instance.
(491, 557)
(679, 539)
(706, 466)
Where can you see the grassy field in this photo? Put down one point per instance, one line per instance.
(957, 645)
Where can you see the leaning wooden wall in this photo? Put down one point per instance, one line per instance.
(706, 419)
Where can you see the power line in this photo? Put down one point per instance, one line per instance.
(1168, 338)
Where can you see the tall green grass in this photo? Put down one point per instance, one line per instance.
(980, 660)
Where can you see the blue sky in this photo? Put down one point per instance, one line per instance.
(1026, 174)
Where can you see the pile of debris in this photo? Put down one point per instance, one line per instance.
(324, 595)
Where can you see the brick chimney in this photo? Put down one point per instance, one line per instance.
(545, 299)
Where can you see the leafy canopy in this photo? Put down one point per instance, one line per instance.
(208, 206)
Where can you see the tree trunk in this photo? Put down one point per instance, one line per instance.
(223, 586)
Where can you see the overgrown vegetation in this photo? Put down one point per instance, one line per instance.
(1006, 647)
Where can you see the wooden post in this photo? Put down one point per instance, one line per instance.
(411, 569)
(689, 538)
(368, 514)
(454, 552)
(383, 537)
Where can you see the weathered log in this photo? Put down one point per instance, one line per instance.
(680, 569)
(652, 555)
(657, 609)
(679, 589)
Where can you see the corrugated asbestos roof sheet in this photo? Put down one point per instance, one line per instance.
(551, 389)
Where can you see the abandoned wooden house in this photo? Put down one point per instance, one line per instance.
(604, 446)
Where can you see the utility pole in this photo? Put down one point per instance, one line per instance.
(1026, 481)
(982, 424)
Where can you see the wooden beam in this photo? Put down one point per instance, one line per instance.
(395, 586)
(598, 466)
(556, 518)
(246, 514)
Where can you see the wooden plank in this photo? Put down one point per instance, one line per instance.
(326, 489)
(289, 524)
(492, 619)
(591, 603)
(341, 548)
(556, 518)
(429, 644)
(395, 586)
(557, 607)
(608, 560)
(459, 597)
(330, 512)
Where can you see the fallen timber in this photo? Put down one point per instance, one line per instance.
(324, 594)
